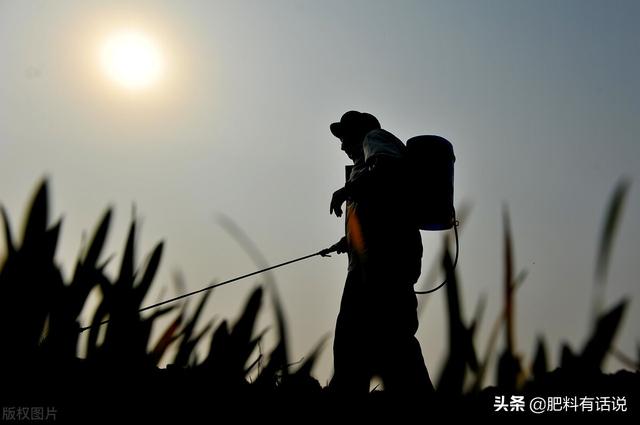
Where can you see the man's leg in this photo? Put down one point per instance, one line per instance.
(351, 372)
(401, 364)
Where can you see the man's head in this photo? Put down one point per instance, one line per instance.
(351, 129)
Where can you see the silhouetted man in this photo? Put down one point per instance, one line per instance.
(377, 322)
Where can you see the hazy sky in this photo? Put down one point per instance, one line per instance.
(541, 100)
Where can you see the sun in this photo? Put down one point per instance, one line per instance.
(132, 59)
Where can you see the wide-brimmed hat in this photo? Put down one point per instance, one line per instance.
(354, 121)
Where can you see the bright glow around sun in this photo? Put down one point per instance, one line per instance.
(132, 59)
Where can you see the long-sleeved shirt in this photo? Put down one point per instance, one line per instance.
(378, 220)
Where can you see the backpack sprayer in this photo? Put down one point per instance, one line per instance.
(431, 161)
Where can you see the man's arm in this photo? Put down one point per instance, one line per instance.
(378, 169)
(338, 247)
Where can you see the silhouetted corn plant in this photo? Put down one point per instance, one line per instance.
(61, 341)
(29, 280)
(509, 367)
(127, 334)
(461, 349)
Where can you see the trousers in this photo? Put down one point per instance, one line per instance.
(375, 334)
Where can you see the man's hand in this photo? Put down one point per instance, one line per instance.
(338, 247)
(338, 198)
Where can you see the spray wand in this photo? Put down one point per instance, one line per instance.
(324, 253)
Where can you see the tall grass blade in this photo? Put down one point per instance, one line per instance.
(601, 341)
(97, 242)
(51, 241)
(7, 233)
(88, 273)
(242, 331)
(610, 227)
(188, 343)
(460, 342)
(493, 337)
(126, 276)
(36, 222)
(612, 219)
(150, 272)
(191, 345)
(168, 336)
(509, 368)
(508, 282)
